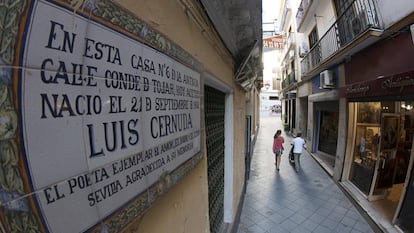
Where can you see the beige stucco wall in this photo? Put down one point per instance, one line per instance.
(184, 208)
(238, 148)
(169, 18)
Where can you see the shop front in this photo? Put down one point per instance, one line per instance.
(324, 121)
(325, 132)
(382, 139)
(326, 127)
(378, 99)
(289, 111)
(379, 154)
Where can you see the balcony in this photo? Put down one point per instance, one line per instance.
(303, 8)
(356, 28)
(289, 45)
(290, 79)
(286, 15)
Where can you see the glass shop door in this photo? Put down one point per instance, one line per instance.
(385, 167)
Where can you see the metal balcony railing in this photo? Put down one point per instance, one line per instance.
(291, 78)
(359, 16)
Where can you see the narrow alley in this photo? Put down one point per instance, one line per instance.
(141, 116)
(286, 201)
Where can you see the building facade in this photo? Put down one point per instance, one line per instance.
(290, 67)
(355, 92)
(130, 116)
(378, 159)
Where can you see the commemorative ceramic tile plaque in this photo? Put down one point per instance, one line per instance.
(99, 116)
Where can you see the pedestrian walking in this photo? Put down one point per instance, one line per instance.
(288, 205)
(298, 144)
(278, 141)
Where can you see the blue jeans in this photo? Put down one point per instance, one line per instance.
(297, 161)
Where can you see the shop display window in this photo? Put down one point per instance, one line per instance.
(390, 130)
(369, 113)
(383, 136)
(381, 147)
(367, 135)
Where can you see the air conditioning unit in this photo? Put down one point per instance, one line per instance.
(291, 53)
(358, 23)
(326, 79)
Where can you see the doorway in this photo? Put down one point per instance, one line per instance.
(214, 102)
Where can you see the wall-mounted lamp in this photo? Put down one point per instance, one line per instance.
(407, 105)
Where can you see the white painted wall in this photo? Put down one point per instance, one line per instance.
(393, 11)
(325, 17)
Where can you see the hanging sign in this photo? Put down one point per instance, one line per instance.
(274, 42)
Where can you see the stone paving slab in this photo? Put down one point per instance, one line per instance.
(285, 201)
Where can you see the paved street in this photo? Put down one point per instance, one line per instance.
(285, 201)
